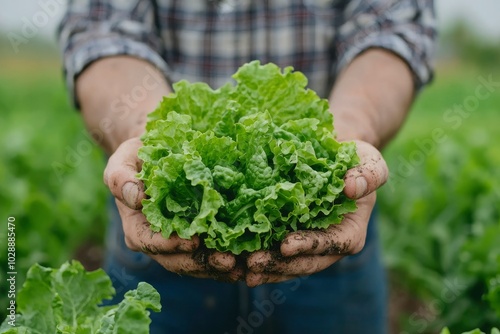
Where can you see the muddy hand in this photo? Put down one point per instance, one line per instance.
(307, 252)
(181, 256)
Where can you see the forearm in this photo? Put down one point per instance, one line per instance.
(115, 96)
(371, 97)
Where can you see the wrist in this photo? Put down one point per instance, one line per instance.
(371, 97)
(363, 134)
(116, 94)
(352, 121)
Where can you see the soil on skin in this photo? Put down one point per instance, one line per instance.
(401, 302)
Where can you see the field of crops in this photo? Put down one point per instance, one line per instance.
(440, 211)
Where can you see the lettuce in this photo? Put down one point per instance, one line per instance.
(243, 165)
(66, 300)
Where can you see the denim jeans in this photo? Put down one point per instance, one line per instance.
(349, 297)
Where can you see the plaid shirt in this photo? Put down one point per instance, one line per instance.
(207, 40)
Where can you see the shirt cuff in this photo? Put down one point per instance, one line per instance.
(83, 54)
(421, 69)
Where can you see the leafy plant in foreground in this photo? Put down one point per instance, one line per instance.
(66, 300)
(245, 164)
(50, 175)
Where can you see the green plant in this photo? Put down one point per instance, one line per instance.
(67, 300)
(243, 165)
(441, 231)
(439, 212)
(50, 175)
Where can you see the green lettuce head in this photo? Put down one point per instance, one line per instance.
(243, 165)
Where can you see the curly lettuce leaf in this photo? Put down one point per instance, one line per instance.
(243, 165)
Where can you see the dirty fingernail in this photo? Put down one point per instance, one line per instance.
(130, 193)
(361, 186)
(299, 237)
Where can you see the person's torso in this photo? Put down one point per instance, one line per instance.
(208, 40)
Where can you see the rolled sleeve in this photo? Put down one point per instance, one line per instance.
(407, 28)
(92, 30)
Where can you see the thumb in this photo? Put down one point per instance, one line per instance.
(120, 172)
(369, 175)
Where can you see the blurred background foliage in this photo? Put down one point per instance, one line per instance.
(440, 220)
(50, 171)
(440, 210)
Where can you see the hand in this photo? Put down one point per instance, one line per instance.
(177, 255)
(307, 252)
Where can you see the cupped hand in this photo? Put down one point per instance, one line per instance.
(177, 255)
(307, 252)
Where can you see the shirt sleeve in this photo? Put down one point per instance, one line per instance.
(94, 29)
(406, 28)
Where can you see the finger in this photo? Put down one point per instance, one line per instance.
(223, 262)
(253, 279)
(348, 237)
(140, 238)
(369, 175)
(274, 263)
(211, 259)
(186, 264)
(120, 172)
